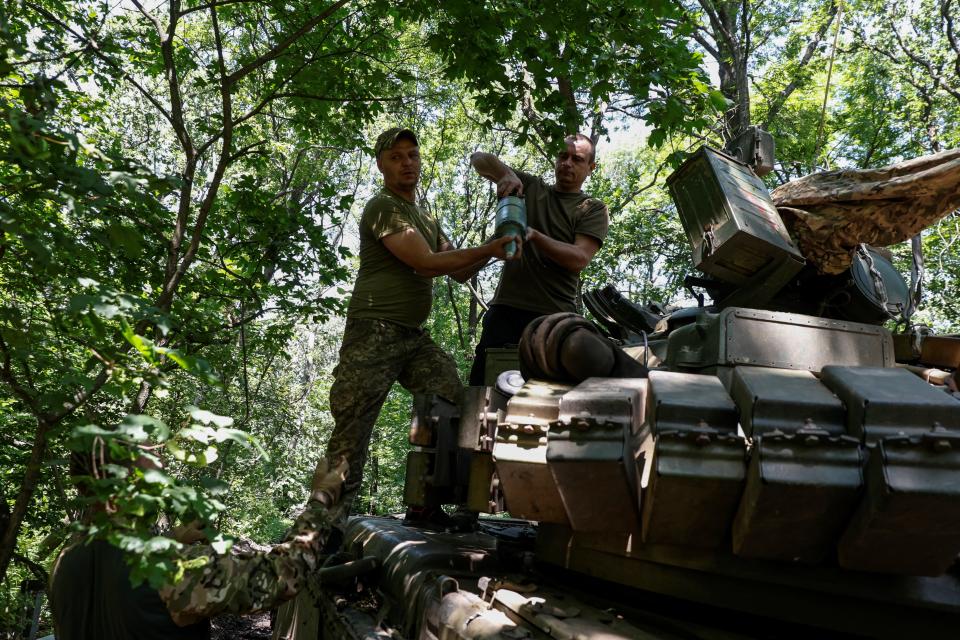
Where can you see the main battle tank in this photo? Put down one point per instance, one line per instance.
(774, 464)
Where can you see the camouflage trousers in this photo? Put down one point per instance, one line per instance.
(375, 354)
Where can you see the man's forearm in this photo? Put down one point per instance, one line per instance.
(490, 166)
(455, 261)
(571, 257)
(411, 249)
(465, 274)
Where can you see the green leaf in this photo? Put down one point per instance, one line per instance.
(140, 427)
(214, 486)
(719, 101)
(141, 344)
(207, 417)
(156, 476)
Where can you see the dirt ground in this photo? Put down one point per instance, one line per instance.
(229, 627)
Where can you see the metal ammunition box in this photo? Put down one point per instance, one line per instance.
(738, 336)
(785, 401)
(520, 453)
(597, 442)
(733, 226)
(695, 486)
(887, 402)
(908, 520)
(800, 492)
(699, 462)
(500, 359)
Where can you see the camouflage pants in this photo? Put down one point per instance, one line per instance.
(375, 354)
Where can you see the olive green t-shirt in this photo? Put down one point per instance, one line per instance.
(386, 288)
(535, 282)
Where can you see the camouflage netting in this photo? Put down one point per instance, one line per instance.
(830, 213)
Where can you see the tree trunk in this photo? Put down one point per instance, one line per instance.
(734, 83)
(31, 478)
(4, 514)
(730, 48)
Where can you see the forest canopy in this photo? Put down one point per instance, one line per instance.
(180, 182)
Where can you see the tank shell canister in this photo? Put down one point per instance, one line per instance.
(511, 220)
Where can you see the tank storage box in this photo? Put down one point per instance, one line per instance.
(785, 400)
(699, 461)
(804, 475)
(733, 226)
(520, 453)
(738, 336)
(500, 359)
(890, 402)
(933, 351)
(908, 521)
(909, 518)
(596, 442)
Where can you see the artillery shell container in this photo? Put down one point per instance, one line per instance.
(734, 228)
(511, 220)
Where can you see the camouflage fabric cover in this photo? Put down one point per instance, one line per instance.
(244, 582)
(830, 213)
(375, 354)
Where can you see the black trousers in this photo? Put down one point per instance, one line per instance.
(502, 326)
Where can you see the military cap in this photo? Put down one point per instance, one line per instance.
(388, 138)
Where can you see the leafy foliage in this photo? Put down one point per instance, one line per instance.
(179, 187)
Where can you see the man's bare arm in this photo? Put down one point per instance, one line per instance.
(410, 248)
(572, 257)
(493, 169)
(466, 273)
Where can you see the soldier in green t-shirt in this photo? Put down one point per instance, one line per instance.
(401, 249)
(565, 228)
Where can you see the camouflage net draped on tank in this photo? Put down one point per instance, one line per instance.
(830, 213)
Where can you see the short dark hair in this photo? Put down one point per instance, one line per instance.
(580, 136)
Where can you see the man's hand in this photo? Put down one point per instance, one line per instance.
(494, 170)
(509, 184)
(499, 247)
(328, 481)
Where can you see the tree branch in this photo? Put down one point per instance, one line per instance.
(278, 50)
(94, 47)
(213, 5)
(226, 98)
(773, 108)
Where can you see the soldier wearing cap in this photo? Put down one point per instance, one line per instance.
(401, 249)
